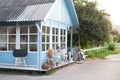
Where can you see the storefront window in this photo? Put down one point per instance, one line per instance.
(63, 37)
(27, 34)
(3, 30)
(11, 30)
(11, 38)
(56, 35)
(45, 38)
(7, 38)
(24, 46)
(3, 38)
(24, 30)
(28, 38)
(33, 47)
(11, 46)
(33, 38)
(23, 38)
(3, 46)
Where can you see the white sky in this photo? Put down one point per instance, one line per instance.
(111, 7)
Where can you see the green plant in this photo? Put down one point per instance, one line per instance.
(98, 53)
(112, 46)
(50, 72)
(102, 53)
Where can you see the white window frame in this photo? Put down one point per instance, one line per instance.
(17, 41)
(58, 35)
(28, 36)
(46, 42)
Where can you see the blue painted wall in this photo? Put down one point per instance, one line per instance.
(8, 58)
(55, 24)
(72, 11)
(59, 12)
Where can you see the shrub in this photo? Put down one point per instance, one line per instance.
(98, 53)
(103, 52)
(112, 46)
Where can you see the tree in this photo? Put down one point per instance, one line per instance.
(95, 25)
(115, 36)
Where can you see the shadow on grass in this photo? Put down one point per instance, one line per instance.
(26, 72)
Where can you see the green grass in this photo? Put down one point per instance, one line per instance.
(19, 72)
(50, 72)
(102, 53)
(30, 73)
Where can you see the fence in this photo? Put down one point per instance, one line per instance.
(93, 49)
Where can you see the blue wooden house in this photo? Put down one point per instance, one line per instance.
(34, 25)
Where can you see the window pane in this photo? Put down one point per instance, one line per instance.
(64, 32)
(44, 29)
(33, 29)
(57, 47)
(3, 46)
(47, 46)
(33, 38)
(43, 38)
(53, 45)
(48, 30)
(3, 30)
(23, 30)
(11, 46)
(24, 38)
(33, 47)
(53, 30)
(53, 38)
(12, 30)
(3, 38)
(56, 30)
(24, 46)
(56, 38)
(43, 47)
(48, 38)
(64, 38)
(61, 31)
(12, 38)
(61, 39)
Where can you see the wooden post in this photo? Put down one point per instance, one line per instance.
(39, 55)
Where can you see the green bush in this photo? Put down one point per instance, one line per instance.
(112, 46)
(103, 52)
(90, 54)
(98, 53)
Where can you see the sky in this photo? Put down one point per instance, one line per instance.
(111, 7)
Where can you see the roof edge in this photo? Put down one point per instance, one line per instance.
(71, 5)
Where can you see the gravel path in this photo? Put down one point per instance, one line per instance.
(108, 69)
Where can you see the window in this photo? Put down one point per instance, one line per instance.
(11, 38)
(28, 38)
(63, 37)
(45, 38)
(55, 38)
(24, 37)
(55, 35)
(7, 38)
(27, 34)
(33, 38)
(3, 38)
